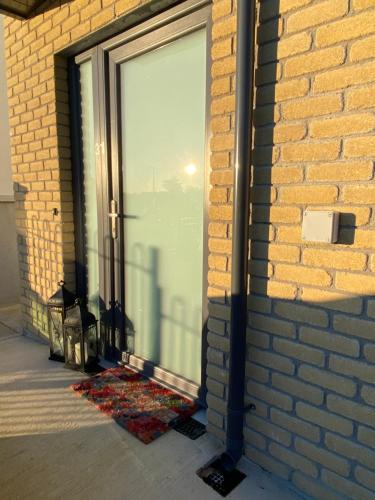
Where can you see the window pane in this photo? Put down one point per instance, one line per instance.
(163, 141)
(89, 186)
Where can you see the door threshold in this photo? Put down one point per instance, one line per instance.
(154, 372)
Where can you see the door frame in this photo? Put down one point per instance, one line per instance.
(171, 24)
(102, 183)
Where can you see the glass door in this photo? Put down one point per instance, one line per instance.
(158, 118)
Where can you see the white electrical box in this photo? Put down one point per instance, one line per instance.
(320, 226)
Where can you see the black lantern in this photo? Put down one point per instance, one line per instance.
(58, 305)
(81, 339)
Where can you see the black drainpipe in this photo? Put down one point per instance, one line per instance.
(240, 233)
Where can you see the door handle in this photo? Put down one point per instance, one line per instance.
(114, 216)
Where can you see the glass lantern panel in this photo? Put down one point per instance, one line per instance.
(57, 332)
(91, 344)
(73, 347)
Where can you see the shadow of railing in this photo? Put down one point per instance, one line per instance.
(40, 260)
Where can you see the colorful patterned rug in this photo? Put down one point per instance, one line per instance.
(139, 405)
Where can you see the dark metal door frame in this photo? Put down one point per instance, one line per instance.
(147, 42)
(106, 57)
(102, 182)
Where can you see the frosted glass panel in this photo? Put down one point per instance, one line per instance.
(89, 184)
(163, 126)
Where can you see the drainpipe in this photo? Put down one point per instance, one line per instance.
(240, 233)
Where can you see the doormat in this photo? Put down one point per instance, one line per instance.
(144, 408)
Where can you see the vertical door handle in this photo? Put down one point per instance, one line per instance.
(114, 216)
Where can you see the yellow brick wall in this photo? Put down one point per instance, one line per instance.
(311, 335)
(40, 143)
(220, 210)
(311, 364)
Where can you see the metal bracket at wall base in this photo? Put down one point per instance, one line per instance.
(250, 407)
(221, 478)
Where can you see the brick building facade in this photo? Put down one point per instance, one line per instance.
(311, 312)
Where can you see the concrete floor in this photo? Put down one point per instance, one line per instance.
(10, 316)
(55, 445)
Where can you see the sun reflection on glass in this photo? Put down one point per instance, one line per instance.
(191, 169)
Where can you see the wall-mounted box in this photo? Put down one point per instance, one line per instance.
(320, 226)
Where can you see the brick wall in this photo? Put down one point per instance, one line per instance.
(220, 211)
(311, 335)
(40, 144)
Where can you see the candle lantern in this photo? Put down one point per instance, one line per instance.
(58, 305)
(81, 339)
